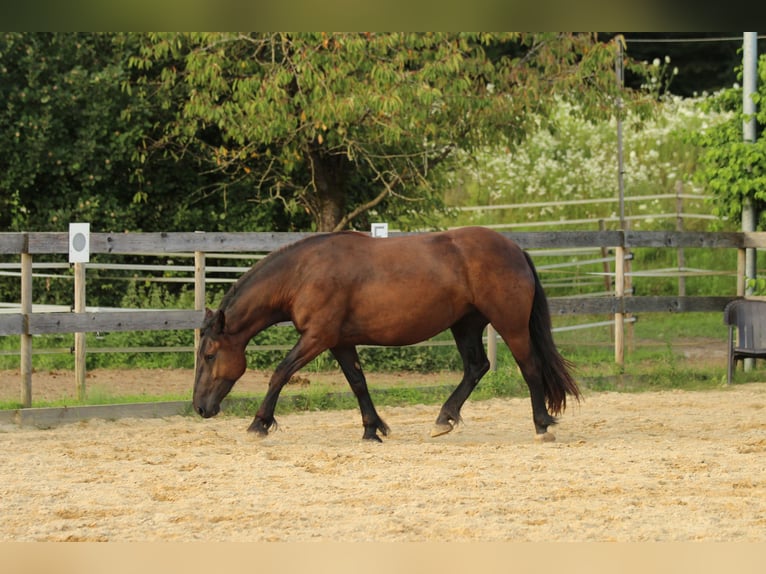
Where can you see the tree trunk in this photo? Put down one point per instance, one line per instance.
(329, 202)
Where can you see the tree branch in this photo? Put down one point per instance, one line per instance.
(362, 208)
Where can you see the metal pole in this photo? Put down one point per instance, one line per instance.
(749, 76)
(618, 68)
(619, 270)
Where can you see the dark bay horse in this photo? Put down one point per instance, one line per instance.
(346, 289)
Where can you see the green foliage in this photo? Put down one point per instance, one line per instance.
(66, 134)
(567, 159)
(383, 95)
(80, 141)
(731, 168)
(339, 125)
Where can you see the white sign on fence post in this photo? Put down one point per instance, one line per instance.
(79, 242)
(379, 230)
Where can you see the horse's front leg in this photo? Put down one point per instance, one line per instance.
(348, 359)
(306, 349)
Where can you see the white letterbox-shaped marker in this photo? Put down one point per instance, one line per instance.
(379, 230)
(79, 242)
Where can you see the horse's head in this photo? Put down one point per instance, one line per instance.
(220, 362)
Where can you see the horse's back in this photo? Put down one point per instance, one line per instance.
(471, 257)
(404, 289)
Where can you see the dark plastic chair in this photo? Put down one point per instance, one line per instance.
(748, 318)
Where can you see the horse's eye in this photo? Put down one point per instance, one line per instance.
(209, 358)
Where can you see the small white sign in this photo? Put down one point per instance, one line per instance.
(380, 229)
(79, 242)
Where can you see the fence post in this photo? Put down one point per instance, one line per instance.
(492, 347)
(79, 338)
(741, 261)
(199, 296)
(26, 337)
(627, 289)
(604, 254)
(680, 227)
(619, 317)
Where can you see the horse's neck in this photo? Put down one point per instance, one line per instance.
(254, 310)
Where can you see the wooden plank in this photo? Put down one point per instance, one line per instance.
(44, 242)
(187, 242)
(12, 324)
(183, 242)
(632, 304)
(675, 304)
(108, 321)
(559, 239)
(683, 239)
(754, 239)
(50, 417)
(48, 242)
(583, 305)
(12, 242)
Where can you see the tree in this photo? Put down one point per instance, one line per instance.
(76, 144)
(58, 143)
(730, 168)
(337, 125)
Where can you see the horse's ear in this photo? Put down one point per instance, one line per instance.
(215, 320)
(219, 322)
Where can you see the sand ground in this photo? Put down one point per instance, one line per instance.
(655, 466)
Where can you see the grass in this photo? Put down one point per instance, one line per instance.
(670, 351)
(640, 375)
(501, 384)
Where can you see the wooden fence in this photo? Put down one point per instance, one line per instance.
(27, 323)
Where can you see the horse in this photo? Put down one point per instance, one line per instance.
(345, 289)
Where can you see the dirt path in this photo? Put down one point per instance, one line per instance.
(667, 466)
(56, 385)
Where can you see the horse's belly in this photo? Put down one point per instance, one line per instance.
(403, 322)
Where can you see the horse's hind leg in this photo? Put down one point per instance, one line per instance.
(521, 348)
(467, 333)
(348, 359)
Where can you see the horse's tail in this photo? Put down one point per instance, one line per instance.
(554, 369)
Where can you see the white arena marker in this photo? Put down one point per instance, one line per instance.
(79, 242)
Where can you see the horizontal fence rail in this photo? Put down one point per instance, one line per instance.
(184, 243)
(37, 243)
(26, 321)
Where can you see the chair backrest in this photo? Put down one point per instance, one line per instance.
(749, 318)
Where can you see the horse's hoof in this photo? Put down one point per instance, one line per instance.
(440, 429)
(545, 437)
(257, 431)
(373, 438)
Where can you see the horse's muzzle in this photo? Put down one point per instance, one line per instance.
(206, 413)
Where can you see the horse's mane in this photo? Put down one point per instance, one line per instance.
(272, 262)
